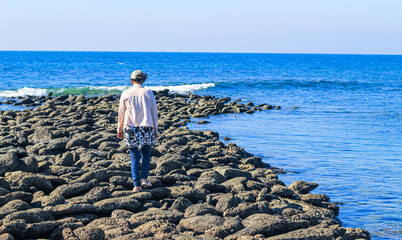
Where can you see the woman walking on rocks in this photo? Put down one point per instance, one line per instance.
(138, 125)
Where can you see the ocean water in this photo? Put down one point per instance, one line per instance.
(339, 126)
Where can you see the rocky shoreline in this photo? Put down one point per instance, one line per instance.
(65, 175)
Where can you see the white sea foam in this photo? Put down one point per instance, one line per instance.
(93, 90)
(184, 88)
(23, 92)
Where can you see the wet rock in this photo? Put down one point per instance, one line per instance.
(203, 122)
(303, 187)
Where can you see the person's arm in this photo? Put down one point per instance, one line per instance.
(121, 113)
(154, 113)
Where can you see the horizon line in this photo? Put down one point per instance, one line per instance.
(127, 51)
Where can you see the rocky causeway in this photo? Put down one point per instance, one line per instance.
(65, 175)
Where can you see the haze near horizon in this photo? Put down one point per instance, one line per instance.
(289, 26)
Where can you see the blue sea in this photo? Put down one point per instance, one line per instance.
(339, 126)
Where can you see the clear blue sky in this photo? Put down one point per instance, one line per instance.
(271, 26)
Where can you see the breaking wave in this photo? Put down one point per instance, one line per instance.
(98, 90)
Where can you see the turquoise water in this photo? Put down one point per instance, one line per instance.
(345, 134)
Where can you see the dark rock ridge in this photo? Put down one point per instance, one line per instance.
(65, 175)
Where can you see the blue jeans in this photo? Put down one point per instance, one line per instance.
(136, 155)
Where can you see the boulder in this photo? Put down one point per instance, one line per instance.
(121, 214)
(10, 162)
(26, 180)
(108, 205)
(89, 233)
(246, 209)
(313, 233)
(180, 204)
(303, 187)
(71, 190)
(77, 142)
(156, 229)
(41, 229)
(17, 228)
(140, 218)
(200, 224)
(33, 215)
(13, 206)
(268, 225)
(97, 193)
(282, 191)
(188, 192)
(226, 201)
(70, 209)
(200, 209)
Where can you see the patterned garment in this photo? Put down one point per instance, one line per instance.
(137, 137)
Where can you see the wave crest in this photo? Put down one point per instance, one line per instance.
(97, 90)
